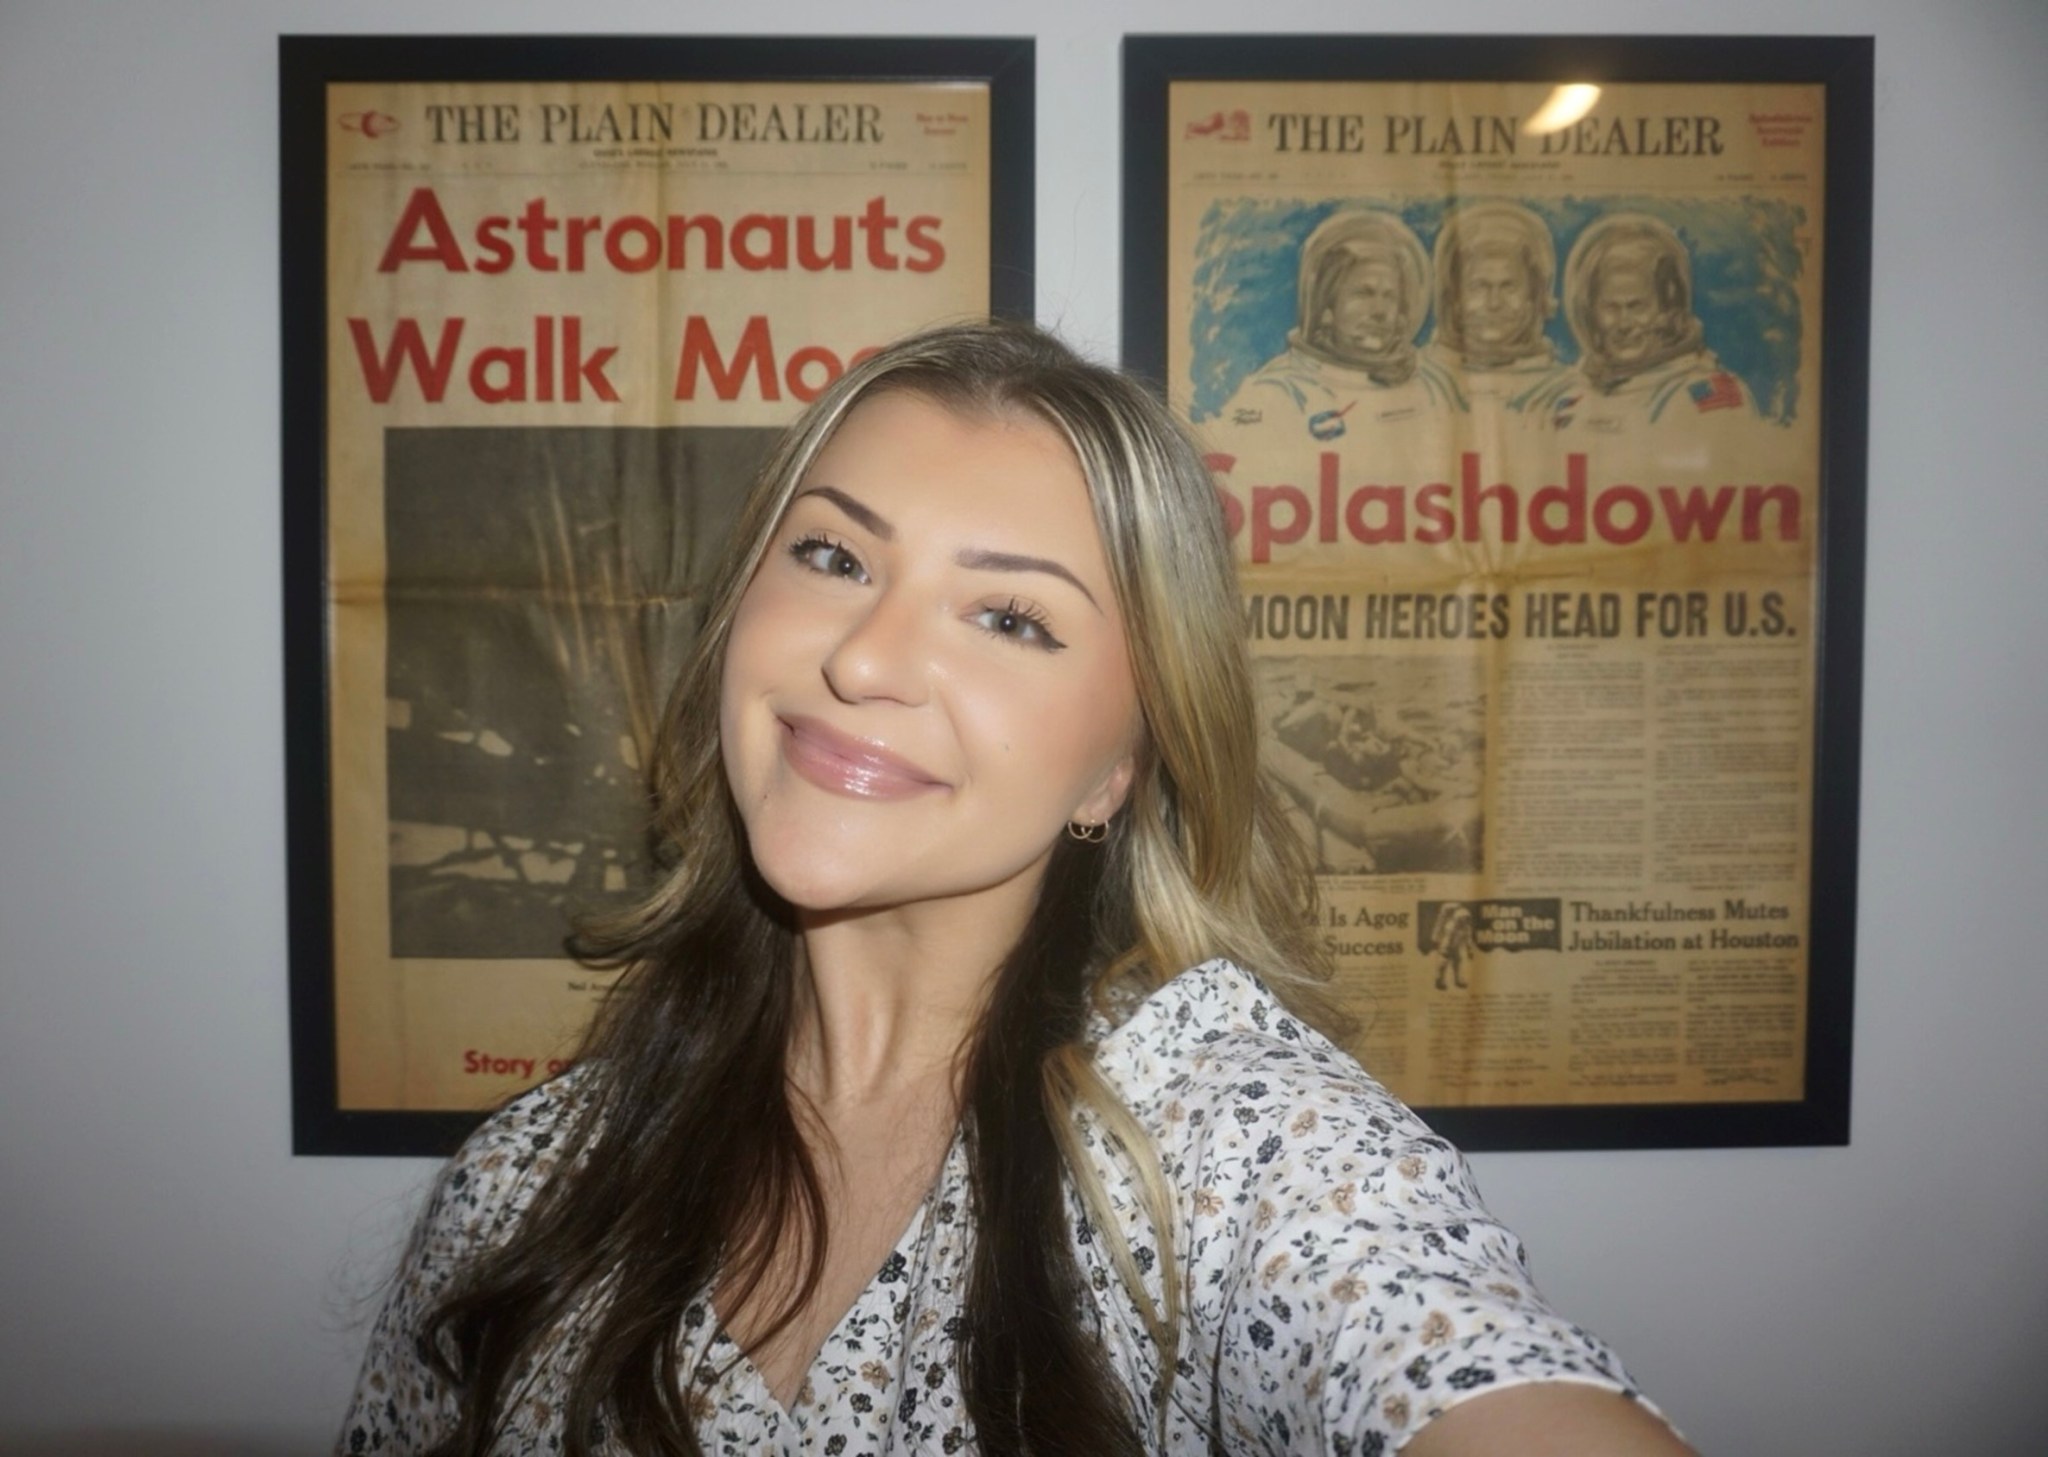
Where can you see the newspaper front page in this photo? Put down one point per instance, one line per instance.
(564, 321)
(1517, 435)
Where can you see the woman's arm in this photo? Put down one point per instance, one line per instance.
(1555, 1419)
(1345, 1290)
(1354, 1289)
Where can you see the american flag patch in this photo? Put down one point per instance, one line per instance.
(1718, 391)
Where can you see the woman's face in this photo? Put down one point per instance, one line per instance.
(927, 677)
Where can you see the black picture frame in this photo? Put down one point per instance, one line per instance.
(307, 65)
(1843, 66)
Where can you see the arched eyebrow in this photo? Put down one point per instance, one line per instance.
(974, 559)
(864, 516)
(1004, 561)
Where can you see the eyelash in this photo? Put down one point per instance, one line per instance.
(805, 548)
(1029, 627)
(1037, 633)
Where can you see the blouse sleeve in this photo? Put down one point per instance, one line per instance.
(1346, 1280)
(401, 1405)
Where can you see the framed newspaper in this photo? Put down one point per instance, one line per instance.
(546, 302)
(1533, 373)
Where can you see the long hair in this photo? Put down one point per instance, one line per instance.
(686, 1160)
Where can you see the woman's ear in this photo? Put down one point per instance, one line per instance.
(1109, 794)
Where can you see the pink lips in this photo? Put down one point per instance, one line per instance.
(843, 764)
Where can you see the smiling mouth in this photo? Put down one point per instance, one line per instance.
(841, 764)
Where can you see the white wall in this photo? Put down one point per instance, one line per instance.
(168, 1268)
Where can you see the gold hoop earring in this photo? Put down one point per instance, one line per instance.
(1093, 834)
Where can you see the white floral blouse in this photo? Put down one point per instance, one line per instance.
(1342, 1282)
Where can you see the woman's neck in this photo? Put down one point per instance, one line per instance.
(888, 999)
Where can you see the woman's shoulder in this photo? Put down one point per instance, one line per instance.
(1213, 1056)
(1215, 1022)
(401, 1402)
(493, 1176)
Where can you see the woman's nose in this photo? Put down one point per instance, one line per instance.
(884, 652)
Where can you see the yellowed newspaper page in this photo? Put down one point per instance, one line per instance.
(564, 321)
(1518, 433)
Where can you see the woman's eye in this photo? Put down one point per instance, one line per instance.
(828, 557)
(1019, 624)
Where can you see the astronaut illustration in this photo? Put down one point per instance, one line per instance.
(1351, 366)
(1643, 360)
(1496, 282)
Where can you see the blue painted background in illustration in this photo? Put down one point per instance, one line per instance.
(1745, 270)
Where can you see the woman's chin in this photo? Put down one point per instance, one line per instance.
(813, 874)
(820, 886)
(809, 886)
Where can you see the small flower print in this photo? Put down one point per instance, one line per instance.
(1317, 1224)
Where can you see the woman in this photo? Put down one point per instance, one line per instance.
(925, 1119)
